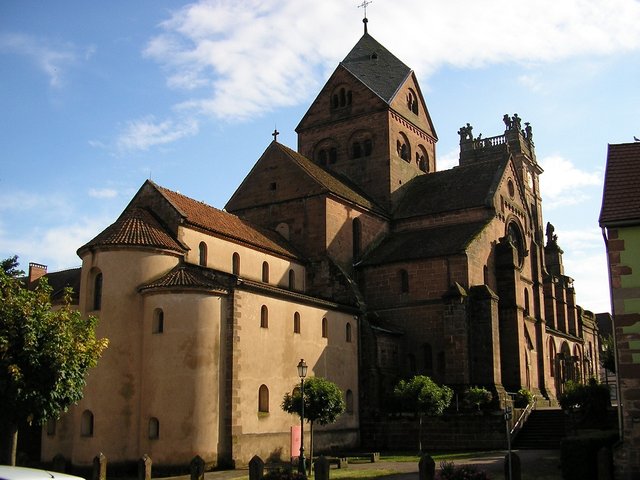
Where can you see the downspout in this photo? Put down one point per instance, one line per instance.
(615, 337)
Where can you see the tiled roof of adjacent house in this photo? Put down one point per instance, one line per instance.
(427, 243)
(468, 186)
(331, 182)
(135, 227)
(59, 281)
(376, 67)
(201, 215)
(621, 195)
(187, 276)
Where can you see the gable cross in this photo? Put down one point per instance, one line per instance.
(275, 135)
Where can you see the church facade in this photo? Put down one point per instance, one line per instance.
(353, 252)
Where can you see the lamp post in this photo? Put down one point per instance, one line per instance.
(302, 372)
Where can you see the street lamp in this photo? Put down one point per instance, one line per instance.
(302, 372)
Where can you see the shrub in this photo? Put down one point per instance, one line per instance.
(523, 398)
(477, 396)
(592, 401)
(283, 474)
(448, 471)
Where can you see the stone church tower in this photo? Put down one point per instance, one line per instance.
(352, 252)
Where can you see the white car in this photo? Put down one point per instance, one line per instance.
(22, 473)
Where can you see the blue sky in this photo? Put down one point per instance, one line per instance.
(96, 97)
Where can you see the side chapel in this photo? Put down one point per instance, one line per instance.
(353, 252)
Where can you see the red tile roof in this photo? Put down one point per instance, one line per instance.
(621, 196)
(186, 276)
(204, 216)
(135, 227)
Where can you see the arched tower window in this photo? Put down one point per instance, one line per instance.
(154, 428)
(235, 263)
(422, 159)
(516, 238)
(403, 147)
(325, 328)
(203, 253)
(97, 291)
(404, 281)
(296, 322)
(264, 317)
(265, 272)
(86, 424)
(526, 302)
(157, 325)
(292, 279)
(348, 332)
(263, 399)
(412, 101)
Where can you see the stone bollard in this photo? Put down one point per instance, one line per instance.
(196, 468)
(426, 467)
(605, 464)
(515, 467)
(59, 463)
(256, 468)
(144, 467)
(99, 467)
(321, 468)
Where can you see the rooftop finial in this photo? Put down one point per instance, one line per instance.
(275, 134)
(364, 5)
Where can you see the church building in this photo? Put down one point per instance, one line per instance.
(353, 252)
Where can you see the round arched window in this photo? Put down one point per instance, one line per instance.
(515, 236)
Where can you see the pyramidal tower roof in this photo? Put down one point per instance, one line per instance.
(376, 67)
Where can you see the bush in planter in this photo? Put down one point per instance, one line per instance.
(478, 396)
(523, 398)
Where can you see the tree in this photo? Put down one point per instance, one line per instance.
(44, 355)
(423, 396)
(607, 358)
(323, 403)
(478, 396)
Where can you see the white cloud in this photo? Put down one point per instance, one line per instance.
(146, 132)
(54, 246)
(562, 183)
(448, 160)
(103, 193)
(51, 58)
(246, 58)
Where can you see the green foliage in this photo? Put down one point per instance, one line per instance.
(323, 401)
(592, 400)
(283, 474)
(478, 396)
(44, 353)
(607, 357)
(448, 471)
(423, 396)
(523, 398)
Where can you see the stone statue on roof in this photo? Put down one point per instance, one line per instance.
(465, 133)
(552, 238)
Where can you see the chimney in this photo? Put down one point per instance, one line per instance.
(36, 271)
